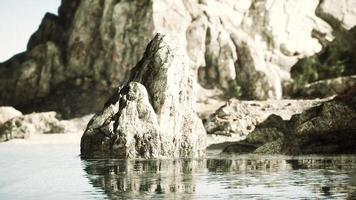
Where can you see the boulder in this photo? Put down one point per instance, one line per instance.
(7, 112)
(22, 127)
(153, 115)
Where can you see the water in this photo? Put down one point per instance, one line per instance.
(57, 172)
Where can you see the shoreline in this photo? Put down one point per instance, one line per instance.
(53, 138)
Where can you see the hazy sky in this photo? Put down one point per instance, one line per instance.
(18, 20)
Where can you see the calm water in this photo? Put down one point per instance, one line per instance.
(56, 172)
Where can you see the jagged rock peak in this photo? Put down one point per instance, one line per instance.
(153, 115)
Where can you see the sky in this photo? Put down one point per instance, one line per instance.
(18, 20)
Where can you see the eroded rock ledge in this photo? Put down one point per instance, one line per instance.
(153, 115)
(329, 128)
(236, 119)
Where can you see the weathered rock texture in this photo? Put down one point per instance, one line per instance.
(245, 47)
(236, 119)
(328, 128)
(22, 127)
(153, 115)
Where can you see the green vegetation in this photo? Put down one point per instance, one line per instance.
(337, 59)
(311, 69)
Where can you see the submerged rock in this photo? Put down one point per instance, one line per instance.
(36, 123)
(7, 112)
(153, 115)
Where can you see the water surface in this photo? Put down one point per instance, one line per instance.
(57, 172)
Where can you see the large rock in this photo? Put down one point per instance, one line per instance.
(329, 128)
(89, 48)
(236, 119)
(7, 113)
(153, 115)
(22, 127)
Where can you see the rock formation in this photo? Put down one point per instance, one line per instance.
(328, 128)
(236, 119)
(246, 50)
(153, 115)
(22, 127)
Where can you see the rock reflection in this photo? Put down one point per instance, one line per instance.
(339, 162)
(130, 177)
(241, 165)
(163, 178)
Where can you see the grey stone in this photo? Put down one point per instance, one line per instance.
(153, 115)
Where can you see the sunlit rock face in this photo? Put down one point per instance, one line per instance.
(342, 11)
(244, 47)
(153, 115)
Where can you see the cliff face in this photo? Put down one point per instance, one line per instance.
(244, 47)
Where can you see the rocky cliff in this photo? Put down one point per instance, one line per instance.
(245, 47)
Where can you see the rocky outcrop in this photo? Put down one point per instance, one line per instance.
(89, 48)
(328, 128)
(236, 119)
(22, 127)
(7, 113)
(153, 115)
